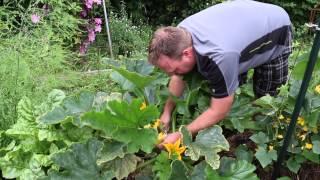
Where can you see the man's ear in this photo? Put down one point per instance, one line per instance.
(187, 52)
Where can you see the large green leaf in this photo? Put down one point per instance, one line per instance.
(122, 81)
(25, 110)
(79, 163)
(212, 174)
(313, 119)
(122, 167)
(162, 166)
(316, 144)
(260, 138)
(54, 99)
(267, 102)
(71, 106)
(233, 170)
(57, 115)
(23, 165)
(299, 69)
(26, 125)
(294, 163)
(22, 129)
(265, 157)
(66, 132)
(138, 80)
(208, 143)
(311, 156)
(140, 66)
(295, 88)
(243, 153)
(110, 151)
(178, 171)
(241, 115)
(311, 103)
(79, 104)
(125, 122)
(198, 172)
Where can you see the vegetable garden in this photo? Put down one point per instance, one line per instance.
(108, 128)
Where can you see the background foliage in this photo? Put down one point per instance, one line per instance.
(170, 12)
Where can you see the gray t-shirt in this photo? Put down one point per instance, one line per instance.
(231, 37)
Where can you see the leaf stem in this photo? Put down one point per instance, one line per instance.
(173, 123)
(146, 163)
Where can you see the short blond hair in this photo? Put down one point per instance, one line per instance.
(169, 41)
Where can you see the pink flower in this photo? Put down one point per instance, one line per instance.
(83, 13)
(97, 1)
(84, 47)
(98, 21)
(91, 35)
(89, 4)
(97, 28)
(35, 18)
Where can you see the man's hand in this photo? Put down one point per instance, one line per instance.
(170, 138)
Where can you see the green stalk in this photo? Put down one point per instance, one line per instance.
(173, 121)
(139, 93)
(146, 163)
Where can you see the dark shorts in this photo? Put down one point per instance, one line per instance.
(268, 77)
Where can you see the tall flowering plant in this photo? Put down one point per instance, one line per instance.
(93, 26)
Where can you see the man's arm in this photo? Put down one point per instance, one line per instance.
(218, 109)
(176, 87)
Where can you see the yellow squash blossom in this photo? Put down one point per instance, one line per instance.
(143, 106)
(308, 146)
(147, 126)
(156, 124)
(161, 137)
(281, 117)
(305, 128)
(287, 120)
(303, 137)
(317, 89)
(300, 121)
(270, 147)
(175, 149)
(280, 136)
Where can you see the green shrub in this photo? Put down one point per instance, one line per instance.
(26, 60)
(127, 39)
(33, 53)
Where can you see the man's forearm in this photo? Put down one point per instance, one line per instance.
(170, 104)
(218, 110)
(205, 120)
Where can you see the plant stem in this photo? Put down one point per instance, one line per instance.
(146, 163)
(173, 123)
